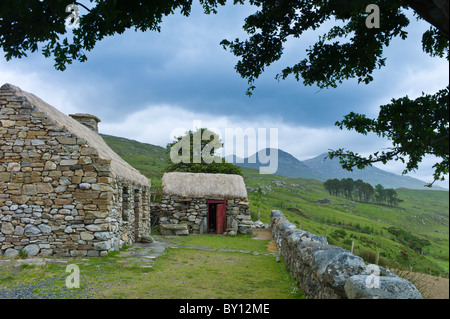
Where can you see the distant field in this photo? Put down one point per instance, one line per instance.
(423, 216)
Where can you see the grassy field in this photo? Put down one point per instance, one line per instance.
(182, 273)
(423, 216)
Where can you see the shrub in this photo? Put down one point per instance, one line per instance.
(339, 233)
(369, 256)
(408, 239)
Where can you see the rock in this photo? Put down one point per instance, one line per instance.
(103, 235)
(86, 236)
(321, 239)
(324, 201)
(78, 253)
(46, 252)
(5, 177)
(65, 181)
(7, 228)
(342, 267)
(44, 188)
(50, 166)
(372, 287)
(11, 253)
(234, 225)
(322, 258)
(173, 229)
(276, 213)
(31, 230)
(174, 226)
(244, 229)
(32, 250)
(95, 227)
(146, 239)
(68, 162)
(45, 229)
(37, 142)
(283, 226)
(295, 236)
(89, 151)
(204, 226)
(19, 231)
(68, 230)
(102, 245)
(259, 224)
(30, 261)
(29, 189)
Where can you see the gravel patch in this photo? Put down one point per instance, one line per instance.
(50, 288)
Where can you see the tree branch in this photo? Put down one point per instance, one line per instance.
(80, 4)
(433, 11)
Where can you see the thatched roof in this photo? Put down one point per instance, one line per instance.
(119, 167)
(226, 186)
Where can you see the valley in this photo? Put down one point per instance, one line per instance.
(422, 216)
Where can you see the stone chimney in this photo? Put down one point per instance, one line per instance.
(88, 120)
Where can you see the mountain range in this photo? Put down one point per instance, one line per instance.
(322, 168)
(150, 160)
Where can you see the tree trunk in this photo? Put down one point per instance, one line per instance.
(433, 11)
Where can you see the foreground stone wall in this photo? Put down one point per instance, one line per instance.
(324, 271)
(174, 211)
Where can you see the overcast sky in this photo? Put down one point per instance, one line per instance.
(145, 86)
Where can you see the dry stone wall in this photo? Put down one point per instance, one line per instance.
(325, 271)
(175, 212)
(57, 196)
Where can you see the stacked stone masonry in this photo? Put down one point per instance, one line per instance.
(57, 195)
(186, 215)
(323, 271)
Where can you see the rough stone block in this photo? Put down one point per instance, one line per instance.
(374, 287)
(32, 250)
(31, 230)
(102, 245)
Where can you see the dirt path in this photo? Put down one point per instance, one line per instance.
(265, 234)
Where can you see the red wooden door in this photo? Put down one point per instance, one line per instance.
(221, 218)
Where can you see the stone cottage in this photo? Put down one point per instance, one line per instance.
(63, 191)
(203, 203)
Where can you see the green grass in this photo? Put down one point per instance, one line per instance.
(186, 273)
(182, 273)
(239, 242)
(423, 214)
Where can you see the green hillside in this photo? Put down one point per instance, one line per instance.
(423, 217)
(414, 234)
(147, 158)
